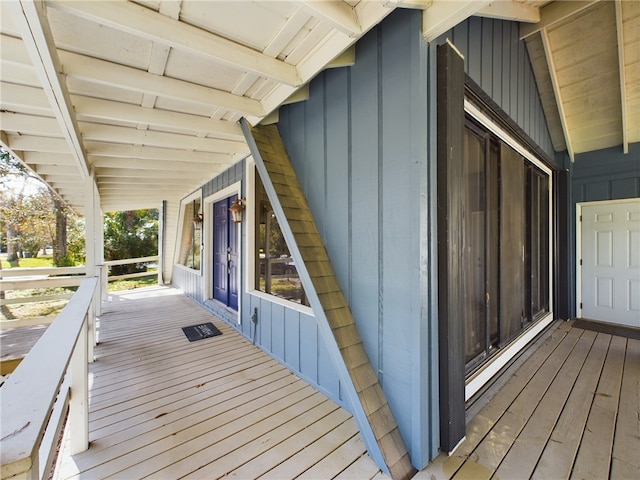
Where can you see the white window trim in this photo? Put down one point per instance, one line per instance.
(250, 247)
(183, 205)
(493, 366)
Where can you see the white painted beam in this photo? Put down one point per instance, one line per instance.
(111, 133)
(37, 144)
(415, 4)
(98, 162)
(143, 22)
(21, 98)
(552, 14)
(623, 78)
(556, 90)
(510, 10)
(132, 152)
(121, 76)
(166, 171)
(339, 14)
(46, 158)
(31, 19)
(443, 15)
(93, 108)
(30, 124)
(106, 73)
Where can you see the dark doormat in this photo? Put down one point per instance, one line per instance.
(610, 328)
(198, 332)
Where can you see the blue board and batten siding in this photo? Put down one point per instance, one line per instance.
(359, 149)
(497, 60)
(607, 174)
(286, 333)
(363, 146)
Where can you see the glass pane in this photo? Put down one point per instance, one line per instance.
(474, 255)
(539, 243)
(493, 242)
(512, 243)
(276, 271)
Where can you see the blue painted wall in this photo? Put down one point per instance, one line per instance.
(607, 174)
(496, 59)
(289, 335)
(363, 147)
(359, 148)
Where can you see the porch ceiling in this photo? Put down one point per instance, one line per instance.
(146, 95)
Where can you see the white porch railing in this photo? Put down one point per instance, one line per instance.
(51, 380)
(16, 279)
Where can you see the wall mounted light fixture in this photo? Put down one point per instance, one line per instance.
(237, 209)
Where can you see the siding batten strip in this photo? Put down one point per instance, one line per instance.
(334, 320)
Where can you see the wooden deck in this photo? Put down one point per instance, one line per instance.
(570, 410)
(164, 408)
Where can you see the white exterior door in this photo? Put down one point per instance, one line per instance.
(610, 252)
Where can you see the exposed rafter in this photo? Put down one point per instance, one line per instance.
(556, 91)
(443, 15)
(31, 19)
(93, 108)
(623, 78)
(154, 26)
(110, 133)
(510, 10)
(107, 73)
(554, 13)
(342, 16)
(155, 153)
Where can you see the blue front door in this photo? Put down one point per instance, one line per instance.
(226, 274)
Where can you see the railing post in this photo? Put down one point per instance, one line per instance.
(79, 399)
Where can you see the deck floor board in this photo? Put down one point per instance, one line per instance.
(572, 410)
(163, 407)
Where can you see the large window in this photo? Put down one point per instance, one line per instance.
(275, 271)
(505, 252)
(191, 239)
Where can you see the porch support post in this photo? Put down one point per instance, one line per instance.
(450, 113)
(79, 399)
(94, 240)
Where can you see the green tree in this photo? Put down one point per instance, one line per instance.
(130, 234)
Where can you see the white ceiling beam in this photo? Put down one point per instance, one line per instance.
(38, 144)
(140, 164)
(96, 109)
(623, 78)
(339, 14)
(128, 78)
(287, 33)
(510, 10)
(556, 91)
(143, 22)
(113, 175)
(31, 19)
(111, 133)
(443, 15)
(112, 74)
(552, 14)
(30, 124)
(64, 171)
(114, 150)
(56, 159)
(416, 4)
(16, 98)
